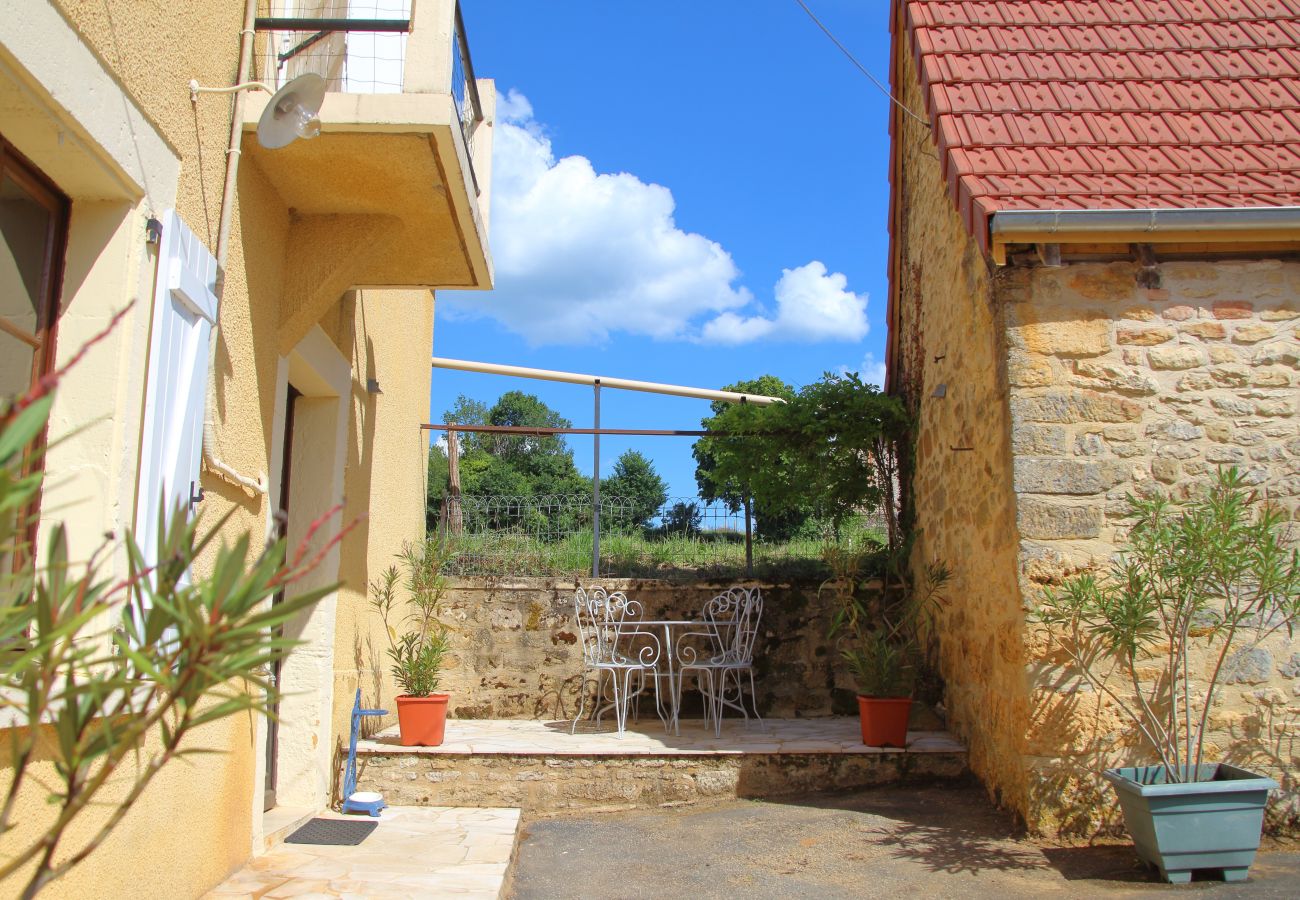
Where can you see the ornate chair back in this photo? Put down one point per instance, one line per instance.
(733, 618)
(601, 616)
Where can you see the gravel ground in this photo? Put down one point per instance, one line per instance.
(937, 841)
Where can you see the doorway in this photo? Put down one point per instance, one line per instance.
(282, 532)
(308, 448)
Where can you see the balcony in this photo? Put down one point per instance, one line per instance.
(394, 191)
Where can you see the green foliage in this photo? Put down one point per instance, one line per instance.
(828, 451)
(683, 518)
(636, 483)
(123, 670)
(417, 654)
(885, 620)
(728, 467)
(509, 465)
(1215, 572)
(436, 485)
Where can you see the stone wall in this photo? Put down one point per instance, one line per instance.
(549, 784)
(951, 367)
(1118, 389)
(515, 650)
(1043, 396)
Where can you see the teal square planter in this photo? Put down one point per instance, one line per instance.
(1211, 823)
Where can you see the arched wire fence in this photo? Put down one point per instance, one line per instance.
(551, 535)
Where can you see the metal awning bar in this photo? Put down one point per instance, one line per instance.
(626, 384)
(293, 23)
(524, 429)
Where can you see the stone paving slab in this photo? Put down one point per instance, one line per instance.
(415, 852)
(531, 737)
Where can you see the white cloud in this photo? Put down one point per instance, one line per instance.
(580, 255)
(871, 371)
(811, 305)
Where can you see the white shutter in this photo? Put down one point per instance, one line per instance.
(184, 311)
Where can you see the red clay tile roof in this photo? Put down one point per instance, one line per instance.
(1105, 104)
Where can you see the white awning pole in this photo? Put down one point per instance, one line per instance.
(627, 384)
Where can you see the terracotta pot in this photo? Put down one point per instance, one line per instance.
(884, 720)
(422, 720)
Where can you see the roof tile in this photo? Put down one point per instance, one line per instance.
(1053, 104)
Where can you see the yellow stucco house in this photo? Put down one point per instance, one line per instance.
(276, 352)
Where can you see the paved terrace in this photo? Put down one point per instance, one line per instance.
(542, 768)
(431, 852)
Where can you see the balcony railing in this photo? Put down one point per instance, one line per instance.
(361, 47)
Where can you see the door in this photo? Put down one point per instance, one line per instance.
(282, 530)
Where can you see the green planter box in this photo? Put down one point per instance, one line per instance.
(1211, 823)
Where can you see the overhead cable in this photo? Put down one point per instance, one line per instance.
(884, 89)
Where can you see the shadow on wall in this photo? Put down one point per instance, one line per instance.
(1088, 735)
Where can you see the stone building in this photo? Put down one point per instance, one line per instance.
(1093, 292)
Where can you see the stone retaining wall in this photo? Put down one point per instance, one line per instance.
(515, 646)
(555, 783)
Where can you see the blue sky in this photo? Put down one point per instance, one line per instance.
(693, 193)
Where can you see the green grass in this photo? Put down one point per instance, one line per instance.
(699, 557)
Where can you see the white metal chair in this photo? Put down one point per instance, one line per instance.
(733, 619)
(606, 623)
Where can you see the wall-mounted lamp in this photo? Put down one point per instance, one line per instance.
(372, 386)
(940, 392)
(292, 113)
(152, 231)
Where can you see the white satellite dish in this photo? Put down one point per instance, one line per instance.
(292, 112)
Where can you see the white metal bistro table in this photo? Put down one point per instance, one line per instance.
(667, 664)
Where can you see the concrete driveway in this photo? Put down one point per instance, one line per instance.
(937, 841)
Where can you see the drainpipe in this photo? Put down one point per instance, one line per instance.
(211, 459)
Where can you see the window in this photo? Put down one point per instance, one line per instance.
(33, 231)
(33, 234)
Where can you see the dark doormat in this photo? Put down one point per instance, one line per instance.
(339, 832)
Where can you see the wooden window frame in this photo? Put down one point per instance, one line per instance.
(42, 189)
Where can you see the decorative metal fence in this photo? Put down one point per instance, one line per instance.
(553, 535)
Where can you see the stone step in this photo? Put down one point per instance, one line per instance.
(542, 768)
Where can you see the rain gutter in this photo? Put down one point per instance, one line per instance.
(1201, 225)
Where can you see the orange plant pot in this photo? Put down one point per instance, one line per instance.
(884, 720)
(422, 720)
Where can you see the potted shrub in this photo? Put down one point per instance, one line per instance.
(418, 653)
(1196, 586)
(885, 623)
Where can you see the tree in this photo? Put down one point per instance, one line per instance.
(435, 485)
(829, 449)
(495, 467)
(683, 517)
(636, 483)
(750, 461)
(514, 464)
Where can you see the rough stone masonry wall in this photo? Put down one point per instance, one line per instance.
(950, 334)
(1117, 388)
(515, 651)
